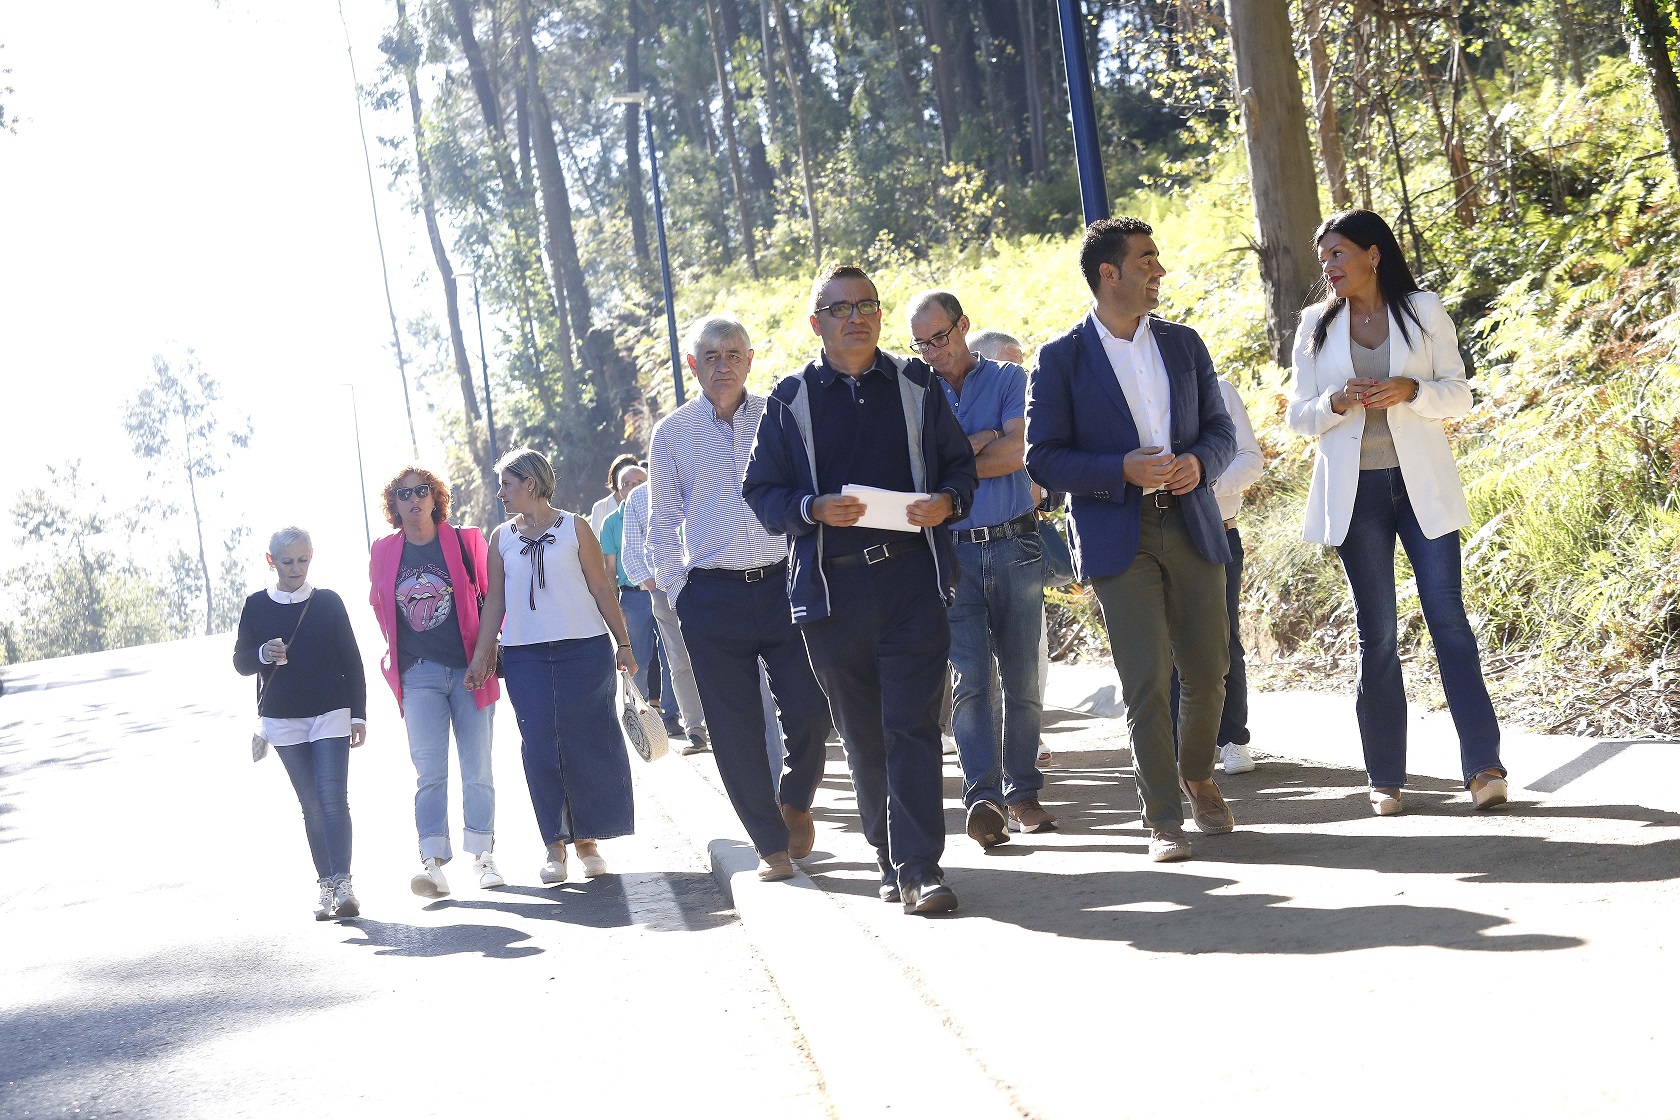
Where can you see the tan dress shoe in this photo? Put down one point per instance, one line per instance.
(775, 867)
(1211, 813)
(802, 831)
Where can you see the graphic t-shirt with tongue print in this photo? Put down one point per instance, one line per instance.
(430, 628)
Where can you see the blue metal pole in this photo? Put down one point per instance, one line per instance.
(1087, 151)
(664, 260)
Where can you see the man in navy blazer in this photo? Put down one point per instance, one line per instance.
(1124, 415)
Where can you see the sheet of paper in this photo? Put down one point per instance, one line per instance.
(884, 509)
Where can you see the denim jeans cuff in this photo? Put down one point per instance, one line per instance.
(477, 843)
(436, 847)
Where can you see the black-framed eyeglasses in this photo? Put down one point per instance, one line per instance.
(404, 493)
(937, 342)
(844, 308)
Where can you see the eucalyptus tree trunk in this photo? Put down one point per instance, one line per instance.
(1324, 108)
(571, 291)
(519, 207)
(428, 208)
(1649, 32)
(795, 94)
(1280, 164)
(1035, 92)
(935, 27)
(726, 98)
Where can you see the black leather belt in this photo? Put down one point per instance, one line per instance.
(1014, 527)
(1160, 499)
(876, 553)
(742, 575)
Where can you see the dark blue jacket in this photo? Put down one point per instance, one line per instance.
(1079, 429)
(782, 475)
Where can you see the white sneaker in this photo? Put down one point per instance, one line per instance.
(323, 908)
(1235, 758)
(430, 883)
(553, 872)
(488, 876)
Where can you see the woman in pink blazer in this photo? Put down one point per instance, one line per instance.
(427, 582)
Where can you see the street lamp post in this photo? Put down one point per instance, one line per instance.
(639, 97)
(361, 471)
(483, 365)
(1087, 151)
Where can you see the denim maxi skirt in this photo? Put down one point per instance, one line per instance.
(564, 694)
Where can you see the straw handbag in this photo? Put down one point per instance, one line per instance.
(642, 725)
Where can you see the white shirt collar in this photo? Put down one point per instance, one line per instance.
(288, 597)
(1107, 335)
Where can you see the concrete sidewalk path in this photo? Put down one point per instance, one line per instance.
(1317, 962)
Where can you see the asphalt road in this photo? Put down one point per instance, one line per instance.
(158, 955)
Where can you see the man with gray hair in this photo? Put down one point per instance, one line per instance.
(998, 616)
(998, 346)
(727, 577)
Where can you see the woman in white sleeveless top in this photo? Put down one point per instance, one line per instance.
(550, 596)
(1377, 370)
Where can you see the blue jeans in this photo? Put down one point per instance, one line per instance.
(1382, 513)
(435, 698)
(576, 763)
(637, 604)
(320, 773)
(996, 706)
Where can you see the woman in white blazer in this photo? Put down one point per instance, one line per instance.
(1377, 370)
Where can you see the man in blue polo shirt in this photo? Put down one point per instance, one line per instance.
(999, 612)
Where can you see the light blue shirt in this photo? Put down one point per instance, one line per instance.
(993, 393)
(698, 518)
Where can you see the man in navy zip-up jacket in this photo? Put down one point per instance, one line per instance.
(871, 602)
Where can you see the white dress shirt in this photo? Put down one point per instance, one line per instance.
(1143, 379)
(302, 729)
(1247, 465)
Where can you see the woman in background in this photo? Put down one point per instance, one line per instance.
(550, 596)
(1377, 370)
(312, 701)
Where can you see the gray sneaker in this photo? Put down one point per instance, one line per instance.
(697, 742)
(344, 900)
(1167, 845)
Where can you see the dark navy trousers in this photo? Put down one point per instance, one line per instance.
(728, 625)
(882, 657)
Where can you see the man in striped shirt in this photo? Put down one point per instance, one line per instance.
(727, 579)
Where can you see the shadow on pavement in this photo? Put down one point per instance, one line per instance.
(77, 1055)
(1180, 911)
(610, 902)
(398, 939)
(1175, 912)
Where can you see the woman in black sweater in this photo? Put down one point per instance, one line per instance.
(312, 702)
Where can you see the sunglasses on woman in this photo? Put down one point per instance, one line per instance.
(404, 493)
